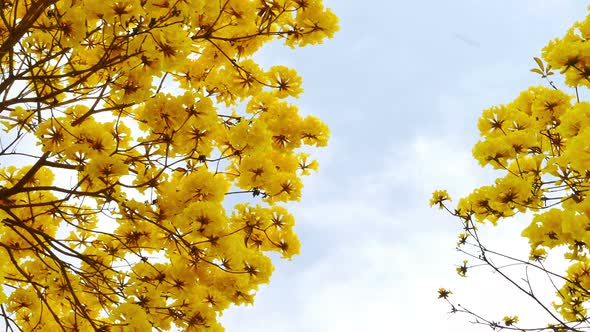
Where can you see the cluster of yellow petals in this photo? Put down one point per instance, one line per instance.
(164, 154)
(540, 142)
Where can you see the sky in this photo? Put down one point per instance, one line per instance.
(402, 85)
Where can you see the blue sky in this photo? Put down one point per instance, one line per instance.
(401, 87)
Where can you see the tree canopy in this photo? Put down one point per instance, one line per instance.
(540, 144)
(127, 124)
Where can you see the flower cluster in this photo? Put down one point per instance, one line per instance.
(151, 120)
(539, 141)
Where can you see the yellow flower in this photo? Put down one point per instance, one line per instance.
(494, 122)
(285, 80)
(462, 269)
(107, 169)
(444, 293)
(549, 105)
(510, 320)
(439, 197)
(493, 151)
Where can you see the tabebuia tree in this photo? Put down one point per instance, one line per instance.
(145, 157)
(540, 144)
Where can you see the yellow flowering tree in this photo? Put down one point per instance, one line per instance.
(127, 124)
(540, 142)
